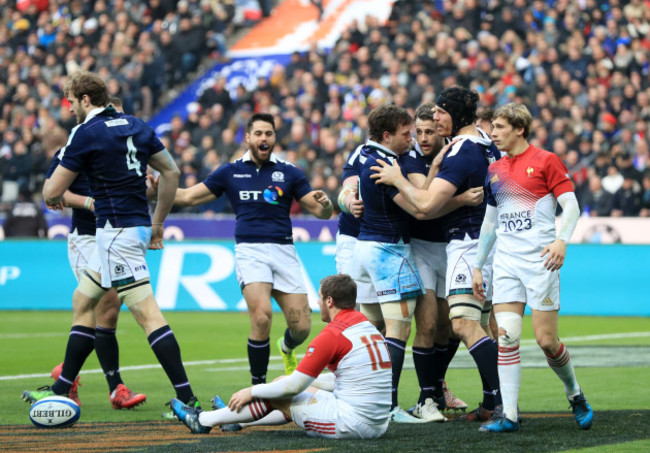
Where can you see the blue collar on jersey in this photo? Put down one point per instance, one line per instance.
(382, 148)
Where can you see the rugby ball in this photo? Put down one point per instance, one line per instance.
(54, 412)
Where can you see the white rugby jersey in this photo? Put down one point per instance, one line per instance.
(524, 188)
(352, 348)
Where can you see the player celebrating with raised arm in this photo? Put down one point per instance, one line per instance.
(350, 403)
(523, 191)
(113, 150)
(462, 167)
(260, 188)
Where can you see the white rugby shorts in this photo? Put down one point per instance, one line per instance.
(431, 261)
(461, 256)
(389, 269)
(119, 255)
(344, 253)
(269, 263)
(520, 280)
(80, 249)
(320, 414)
(345, 265)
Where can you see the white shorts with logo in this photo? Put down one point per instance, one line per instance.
(345, 265)
(431, 260)
(461, 256)
(520, 280)
(269, 263)
(119, 255)
(389, 269)
(80, 249)
(320, 414)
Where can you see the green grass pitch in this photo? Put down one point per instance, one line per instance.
(612, 358)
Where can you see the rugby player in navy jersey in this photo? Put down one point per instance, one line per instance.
(351, 209)
(113, 150)
(463, 166)
(261, 188)
(433, 348)
(382, 255)
(81, 243)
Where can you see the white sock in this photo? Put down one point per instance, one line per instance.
(563, 366)
(509, 380)
(253, 411)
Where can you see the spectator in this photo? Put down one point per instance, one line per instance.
(597, 202)
(628, 199)
(25, 218)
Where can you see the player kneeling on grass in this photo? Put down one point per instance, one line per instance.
(353, 402)
(523, 191)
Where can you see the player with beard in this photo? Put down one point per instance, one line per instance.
(261, 188)
(463, 166)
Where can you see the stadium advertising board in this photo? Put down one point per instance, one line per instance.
(200, 275)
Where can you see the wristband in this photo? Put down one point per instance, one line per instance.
(88, 203)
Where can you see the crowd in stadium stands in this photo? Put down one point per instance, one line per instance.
(582, 67)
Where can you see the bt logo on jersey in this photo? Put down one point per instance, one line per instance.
(246, 195)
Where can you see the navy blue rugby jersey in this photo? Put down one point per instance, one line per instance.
(427, 230)
(383, 220)
(261, 198)
(83, 221)
(113, 149)
(349, 224)
(465, 166)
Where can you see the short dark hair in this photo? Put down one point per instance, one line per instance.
(84, 82)
(341, 288)
(115, 102)
(485, 114)
(387, 118)
(266, 117)
(425, 111)
(461, 104)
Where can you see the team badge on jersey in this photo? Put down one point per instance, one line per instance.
(530, 171)
(272, 194)
(310, 351)
(119, 269)
(277, 176)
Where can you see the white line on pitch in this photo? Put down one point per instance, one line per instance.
(528, 342)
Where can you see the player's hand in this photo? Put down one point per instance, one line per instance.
(438, 159)
(356, 208)
(386, 173)
(322, 198)
(556, 252)
(55, 207)
(472, 197)
(152, 186)
(240, 399)
(478, 286)
(156, 242)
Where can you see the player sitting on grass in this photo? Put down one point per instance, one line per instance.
(352, 402)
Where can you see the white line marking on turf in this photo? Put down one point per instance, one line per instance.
(12, 336)
(528, 343)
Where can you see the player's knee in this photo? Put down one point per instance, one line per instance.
(300, 333)
(549, 344)
(90, 286)
(466, 307)
(135, 292)
(509, 329)
(261, 321)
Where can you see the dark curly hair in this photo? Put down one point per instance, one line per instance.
(387, 118)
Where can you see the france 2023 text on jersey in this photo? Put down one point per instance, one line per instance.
(524, 188)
